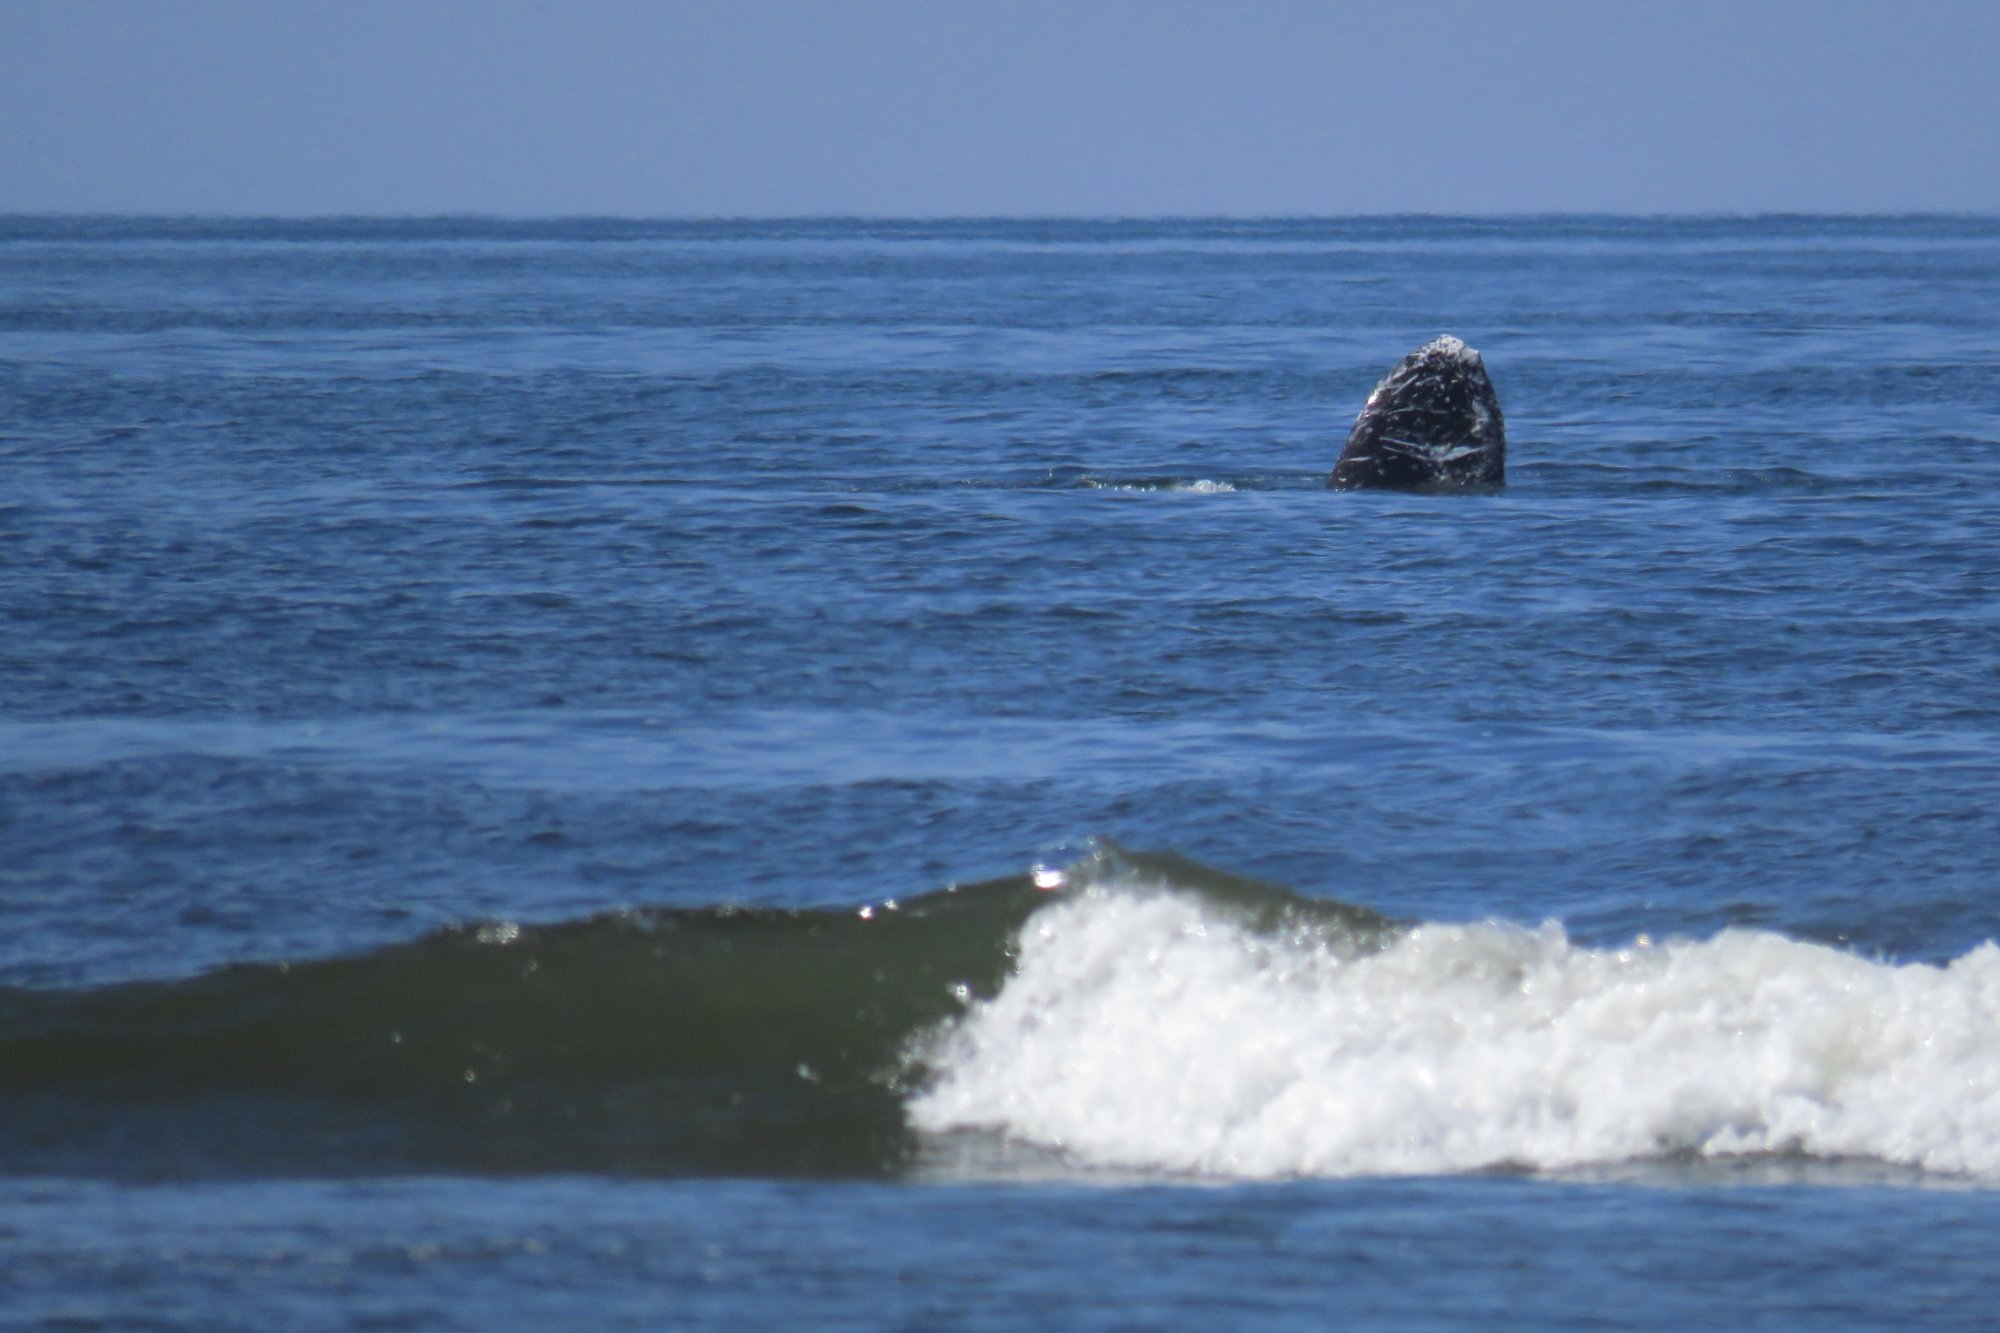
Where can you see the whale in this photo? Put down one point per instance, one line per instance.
(1432, 423)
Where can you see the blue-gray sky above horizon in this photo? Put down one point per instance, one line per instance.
(1019, 107)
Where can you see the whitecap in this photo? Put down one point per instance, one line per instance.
(1151, 1031)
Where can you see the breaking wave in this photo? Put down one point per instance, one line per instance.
(1131, 1012)
(1145, 1031)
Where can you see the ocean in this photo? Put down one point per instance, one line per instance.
(852, 774)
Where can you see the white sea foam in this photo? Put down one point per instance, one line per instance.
(1150, 1031)
(1199, 486)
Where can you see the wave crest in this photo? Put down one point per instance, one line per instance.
(1149, 1032)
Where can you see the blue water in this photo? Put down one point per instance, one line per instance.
(360, 579)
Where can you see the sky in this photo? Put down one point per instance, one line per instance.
(660, 108)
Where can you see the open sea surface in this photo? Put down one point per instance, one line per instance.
(851, 774)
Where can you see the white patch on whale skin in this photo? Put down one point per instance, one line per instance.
(1413, 448)
(1455, 348)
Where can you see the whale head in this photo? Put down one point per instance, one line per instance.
(1433, 421)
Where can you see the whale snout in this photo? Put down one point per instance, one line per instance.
(1433, 421)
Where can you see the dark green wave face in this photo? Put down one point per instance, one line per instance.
(715, 1040)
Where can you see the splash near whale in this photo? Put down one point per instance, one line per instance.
(1433, 421)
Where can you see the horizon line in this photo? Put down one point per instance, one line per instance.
(1497, 215)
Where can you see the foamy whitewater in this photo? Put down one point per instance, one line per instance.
(1147, 1030)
